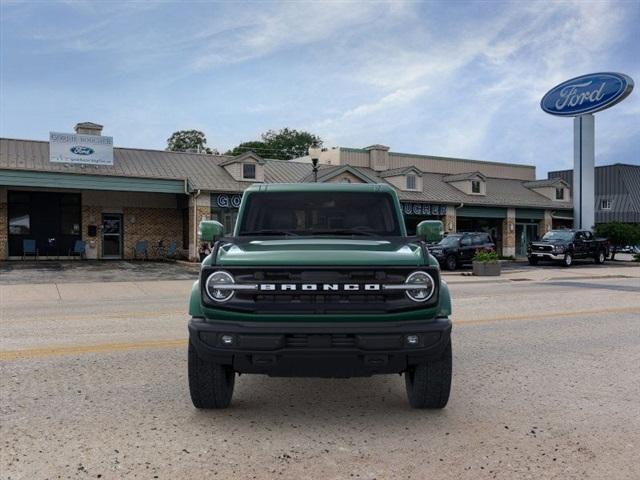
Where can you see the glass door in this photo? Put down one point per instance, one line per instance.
(111, 235)
(525, 233)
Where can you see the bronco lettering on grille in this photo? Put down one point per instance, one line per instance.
(323, 287)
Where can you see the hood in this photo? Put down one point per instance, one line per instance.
(551, 242)
(320, 251)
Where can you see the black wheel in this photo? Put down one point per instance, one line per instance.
(451, 263)
(533, 260)
(567, 261)
(210, 384)
(429, 384)
(600, 257)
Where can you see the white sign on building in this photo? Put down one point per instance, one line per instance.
(77, 148)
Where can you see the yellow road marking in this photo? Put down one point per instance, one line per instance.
(539, 316)
(79, 349)
(115, 347)
(112, 316)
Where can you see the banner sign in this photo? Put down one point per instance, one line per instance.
(587, 94)
(224, 200)
(424, 209)
(80, 149)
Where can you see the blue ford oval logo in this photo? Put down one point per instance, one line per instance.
(587, 94)
(79, 150)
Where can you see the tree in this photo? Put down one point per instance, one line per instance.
(188, 141)
(284, 144)
(619, 234)
(256, 146)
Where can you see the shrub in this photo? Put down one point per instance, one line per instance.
(483, 256)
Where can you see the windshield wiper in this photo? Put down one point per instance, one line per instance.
(268, 231)
(345, 232)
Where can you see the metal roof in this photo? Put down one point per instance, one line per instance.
(620, 184)
(463, 176)
(547, 182)
(205, 172)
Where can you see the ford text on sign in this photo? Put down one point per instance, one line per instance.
(587, 94)
(86, 149)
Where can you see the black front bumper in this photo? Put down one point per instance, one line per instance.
(286, 349)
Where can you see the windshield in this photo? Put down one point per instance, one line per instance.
(319, 213)
(449, 241)
(558, 235)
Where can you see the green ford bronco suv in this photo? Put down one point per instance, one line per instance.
(320, 280)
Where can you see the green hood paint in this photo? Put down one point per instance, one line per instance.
(320, 251)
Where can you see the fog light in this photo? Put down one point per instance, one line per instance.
(227, 339)
(413, 339)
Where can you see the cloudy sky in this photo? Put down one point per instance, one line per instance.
(460, 79)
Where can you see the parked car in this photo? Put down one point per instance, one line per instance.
(458, 249)
(629, 249)
(565, 246)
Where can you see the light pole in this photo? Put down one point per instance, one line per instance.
(314, 153)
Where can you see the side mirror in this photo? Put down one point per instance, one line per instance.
(430, 231)
(210, 231)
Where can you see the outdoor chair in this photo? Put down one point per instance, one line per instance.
(142, 249)
(29, 248)
(159, 249)
(79, 248)
(172, 248)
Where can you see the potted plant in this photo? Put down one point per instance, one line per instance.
(486, 264)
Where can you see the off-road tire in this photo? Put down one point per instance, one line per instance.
(532, 260)
(210, 384)
(451, 263)
(567, 261)
(600, 257)
(429, 384)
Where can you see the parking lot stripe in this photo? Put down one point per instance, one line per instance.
(115, 347)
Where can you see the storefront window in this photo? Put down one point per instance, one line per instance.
(19, 221)
(19, 218)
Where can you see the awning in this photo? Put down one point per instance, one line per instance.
(30, 178)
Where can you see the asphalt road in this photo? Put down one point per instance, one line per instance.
(546, 385)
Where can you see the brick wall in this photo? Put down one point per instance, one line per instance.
(545, 224)
(92, 216)
(152, 225)
(509, 233)
(202, 213)
(449, 220)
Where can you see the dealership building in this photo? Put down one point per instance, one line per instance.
(113, 198)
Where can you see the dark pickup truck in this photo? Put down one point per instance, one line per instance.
(565, 246)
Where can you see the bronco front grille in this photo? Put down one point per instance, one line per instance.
(363, 300)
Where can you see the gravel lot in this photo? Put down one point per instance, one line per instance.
(546, 384)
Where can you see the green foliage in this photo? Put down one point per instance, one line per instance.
(188, 141)
(484, 256)
(619, 234)
(257, 147)
(284, 144)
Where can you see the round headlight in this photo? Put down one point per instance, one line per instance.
(560, 248)
(425, 286)
(215, 286)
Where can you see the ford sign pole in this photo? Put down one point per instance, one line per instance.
(583, 171)
(580, 97)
